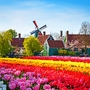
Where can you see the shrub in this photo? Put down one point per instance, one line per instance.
(66, 52)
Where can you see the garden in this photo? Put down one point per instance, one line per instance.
(45, 73)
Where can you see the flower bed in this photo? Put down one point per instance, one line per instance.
(58, 65)
(59, 58)
(60, 75)
(61, 79)
(18, 80)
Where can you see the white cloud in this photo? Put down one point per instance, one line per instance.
(21, 18)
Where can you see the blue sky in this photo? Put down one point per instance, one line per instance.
(56, 14)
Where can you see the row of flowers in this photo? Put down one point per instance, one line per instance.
(58, 65)
(59, 58)
(18, 80)
(34, 78)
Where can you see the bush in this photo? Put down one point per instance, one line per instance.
(66, 52)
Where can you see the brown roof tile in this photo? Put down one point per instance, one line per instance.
(18, 42)
(55, 44)
(42, 38)
(72, 37)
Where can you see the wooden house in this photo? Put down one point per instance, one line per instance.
(17, 44)
(75, 42)
(51, 46)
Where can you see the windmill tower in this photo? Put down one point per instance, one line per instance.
(38, 30)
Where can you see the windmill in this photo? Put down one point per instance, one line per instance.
(38, 30)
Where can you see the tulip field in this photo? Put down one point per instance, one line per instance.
(46, 73)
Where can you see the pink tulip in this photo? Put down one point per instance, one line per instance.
(22, 87)
(46, 86)
(28, 89)
(28, 84)
(37, 87)
(7, 77)
(23, 79)
(3, 72)
(8, 70)
(39, 81)
(12, 85)
(21, 83)
(24, 75)
(17, 73)
(44, 80)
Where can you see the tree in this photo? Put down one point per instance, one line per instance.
(85, 35)
(13, 32)
(5, 47)
(32, 46)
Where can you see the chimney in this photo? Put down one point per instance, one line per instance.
(61, 33)
(44, 33)
(67, 41)
(19, 35)
(67, 32)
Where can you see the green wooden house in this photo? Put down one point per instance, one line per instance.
(51, 46)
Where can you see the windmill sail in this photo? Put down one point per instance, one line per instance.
(35, 24)
(32, 32)
(43, 27)
(38, 29)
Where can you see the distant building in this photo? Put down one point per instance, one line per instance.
(17, 44)
(75, 42)
(51, 46)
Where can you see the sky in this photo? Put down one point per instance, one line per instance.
(56, 14)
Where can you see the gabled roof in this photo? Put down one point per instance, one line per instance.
(18, 42)
(55, 44)
(42, 38)
(72, 37)
(77, 40)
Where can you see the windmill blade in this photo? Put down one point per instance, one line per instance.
(32, 32)
(43, 27)
(35, 24)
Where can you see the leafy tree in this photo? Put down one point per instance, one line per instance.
(32, 46)
(13, 32)
(5, 47)
(85, 35)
